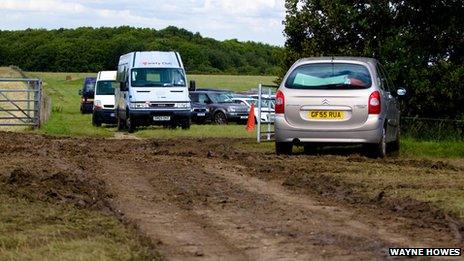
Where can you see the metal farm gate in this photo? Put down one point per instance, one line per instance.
(265, 93)
(20, 102)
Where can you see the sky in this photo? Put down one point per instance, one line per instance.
(245, 20)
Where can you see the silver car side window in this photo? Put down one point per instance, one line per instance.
(382, 78)
(388, 85)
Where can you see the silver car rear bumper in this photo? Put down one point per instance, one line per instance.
(369, 132)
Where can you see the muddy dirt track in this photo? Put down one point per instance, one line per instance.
(214, 200)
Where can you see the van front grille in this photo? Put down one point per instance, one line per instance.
(162, 105)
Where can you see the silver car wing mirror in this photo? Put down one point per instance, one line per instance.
(401, 92)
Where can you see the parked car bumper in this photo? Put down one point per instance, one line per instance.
(201, 117)
(147, 117)
(105, 116)
(237, 116)
(87, 107)
(369, 132)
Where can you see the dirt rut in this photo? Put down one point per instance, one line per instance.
(208, 200)
(208, 209)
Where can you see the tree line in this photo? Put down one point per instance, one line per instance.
(421, 43)
(89, 49)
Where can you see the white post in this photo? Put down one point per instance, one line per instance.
(258, 131)
(269, 115)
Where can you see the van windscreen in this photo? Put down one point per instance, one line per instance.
(157, 77)
(106, 87)
(329, 76)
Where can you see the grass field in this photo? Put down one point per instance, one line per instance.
(66, 119)
(233, 83)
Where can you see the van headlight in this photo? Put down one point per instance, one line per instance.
(97, 103)
(139, 105)
(182, 105)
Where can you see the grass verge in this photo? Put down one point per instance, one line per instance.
(51, 214)
(432, 149)
(45, 231)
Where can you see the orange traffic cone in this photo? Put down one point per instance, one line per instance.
(251, 119)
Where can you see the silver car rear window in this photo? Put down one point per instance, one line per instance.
(338, 76)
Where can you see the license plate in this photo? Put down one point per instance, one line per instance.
(243, 117)
(201, 114)
(162, 118)
(112, 115)
(326, 115)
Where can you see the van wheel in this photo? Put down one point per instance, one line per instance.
(186, 124)
(120, 122)
(283, 148)
(130, 124)
(95, 122)
(220, 118)
(379, 150)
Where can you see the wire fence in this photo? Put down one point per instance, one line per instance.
(432, 129)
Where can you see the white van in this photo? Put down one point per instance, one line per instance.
(153, 91)
(103, 104)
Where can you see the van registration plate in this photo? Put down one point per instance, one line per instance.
(162, 118)
(326, 115)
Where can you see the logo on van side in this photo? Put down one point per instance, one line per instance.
(156, 63)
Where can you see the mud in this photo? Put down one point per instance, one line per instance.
(213, 199)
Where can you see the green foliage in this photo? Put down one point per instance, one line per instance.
(89, 49)
(421, 43)
(432, 129)
(412, 147)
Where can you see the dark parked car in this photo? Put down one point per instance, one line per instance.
(87, 94)
(221, 106)
(200, 113)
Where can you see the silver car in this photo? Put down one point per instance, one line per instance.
(337, 100)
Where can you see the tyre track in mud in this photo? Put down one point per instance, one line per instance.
(207, 200)
(211, 211)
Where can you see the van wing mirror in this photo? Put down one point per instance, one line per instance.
(80, 92)
(192, 86)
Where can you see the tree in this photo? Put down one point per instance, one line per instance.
(420, 42)
(93, 49)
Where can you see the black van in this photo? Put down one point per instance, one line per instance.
(87, 94)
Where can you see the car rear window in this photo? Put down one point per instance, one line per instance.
(329, 76)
